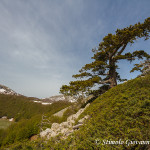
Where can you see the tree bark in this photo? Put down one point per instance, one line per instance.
(112, 73)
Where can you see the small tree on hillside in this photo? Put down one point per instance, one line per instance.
(103, 70)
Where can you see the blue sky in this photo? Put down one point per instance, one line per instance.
(44, 42)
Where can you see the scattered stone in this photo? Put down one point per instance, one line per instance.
(45, 132)
(12, 119)
(65, 128)
(4, 117)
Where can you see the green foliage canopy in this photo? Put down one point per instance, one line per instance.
(102, 71)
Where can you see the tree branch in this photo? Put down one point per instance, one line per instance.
(107, 81)
(119, 53)
(117, 48)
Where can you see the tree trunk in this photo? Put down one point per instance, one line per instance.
(112, 73)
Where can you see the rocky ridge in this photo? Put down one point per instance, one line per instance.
(65, 128)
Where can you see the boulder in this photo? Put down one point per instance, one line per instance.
(45, 132)
(53, 134)
(55, 126)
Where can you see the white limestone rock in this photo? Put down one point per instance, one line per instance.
(55, 126)
(53, 134)
(65, 128)
(63, 131)
(45, 132)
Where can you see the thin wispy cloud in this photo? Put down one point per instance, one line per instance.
(42, 43)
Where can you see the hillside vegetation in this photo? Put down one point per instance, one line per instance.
(122, 113)
(27, 116)
(21, 107)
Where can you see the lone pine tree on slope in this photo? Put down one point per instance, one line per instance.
(103, 70)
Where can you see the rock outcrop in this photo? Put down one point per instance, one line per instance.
(65, 128)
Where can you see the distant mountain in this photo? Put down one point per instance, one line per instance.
(56, 98)
(59, 98)
(7, 91)
(45, 101)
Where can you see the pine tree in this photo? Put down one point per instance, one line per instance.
(102, 72)
(143, 67)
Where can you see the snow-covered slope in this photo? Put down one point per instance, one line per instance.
(44, 101)
(52, 99)
(59, 98)
(7, 91)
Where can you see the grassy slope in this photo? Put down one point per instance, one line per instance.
(27, 114)
(4, 124)
(21, 107)
(122, 113)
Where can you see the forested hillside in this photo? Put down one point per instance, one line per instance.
(122, 113)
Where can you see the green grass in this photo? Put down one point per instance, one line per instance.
(123, 113)
(4, 124)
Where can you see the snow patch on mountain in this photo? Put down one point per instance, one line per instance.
(59, 98)
(56, 98)
(2, 90)
(7, 91)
